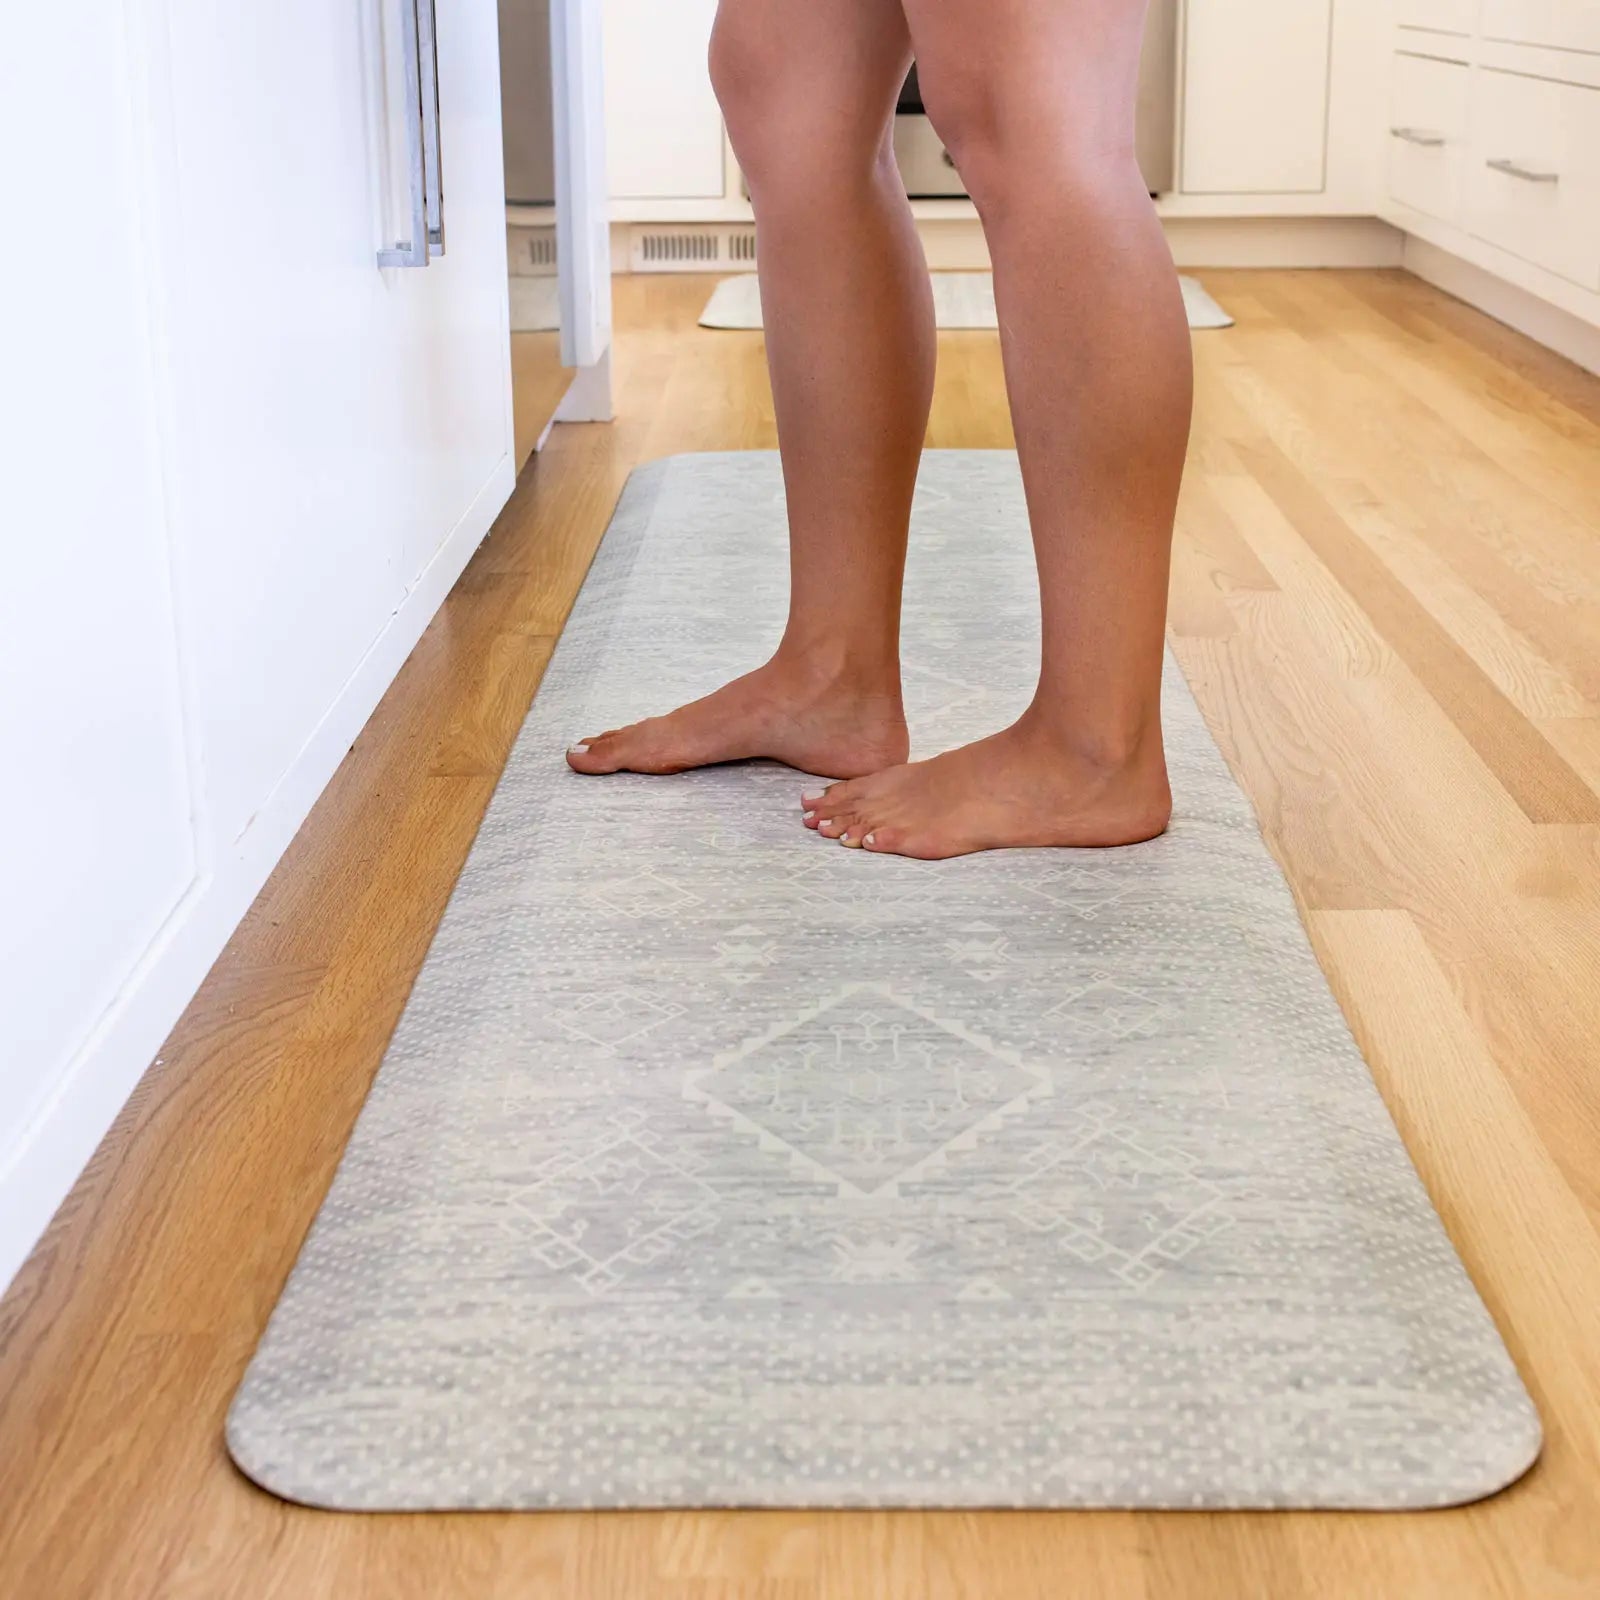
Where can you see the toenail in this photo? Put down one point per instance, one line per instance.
(577, 750)
(808, 816)
(844, 838)
(869, 838)
(811, 799)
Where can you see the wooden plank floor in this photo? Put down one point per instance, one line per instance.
(1387, 597)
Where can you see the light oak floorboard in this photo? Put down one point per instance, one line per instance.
(538, 381)
(1384, 593)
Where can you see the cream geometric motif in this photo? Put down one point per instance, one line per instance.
(643, 894)
(741, 960)
(1086, 890)
(624, 1204)
(1109, 1010)
(980, 958)
(874, 1260)
(981, 1291)
(618, 1017)
(866, 1089)
(1079, 1194)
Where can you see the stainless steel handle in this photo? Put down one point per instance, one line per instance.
(419, 46)
(1515, 169)
(412, 252)
(1424, 136)
(432, 162)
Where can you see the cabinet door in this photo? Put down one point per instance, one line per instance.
(331, 421)
(446, 334)
(577, 46)
(663, 124)
(95, 806)
(1561, 24)
(1428, 136)
(1255, 97)
(1534, 186)
(1436, 16)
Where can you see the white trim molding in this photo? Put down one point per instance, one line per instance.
(953, 241)
(1531, 314)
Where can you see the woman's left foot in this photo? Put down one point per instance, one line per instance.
(1021, 787)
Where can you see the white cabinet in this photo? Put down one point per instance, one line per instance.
(1534, 188)
(1561, 24)
(1493, 148)
(1428, 132)
(1438, 16)
(95, 802)
(664, 137)
(1255, 97)
(1274, 105)
(333, 422)
(250, 465)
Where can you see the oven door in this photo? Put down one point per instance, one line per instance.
(929, 173)
(925, 164)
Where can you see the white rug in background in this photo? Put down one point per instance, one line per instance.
(960, 300)
(535, 305)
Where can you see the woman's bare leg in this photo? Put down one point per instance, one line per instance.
(1034, 99)
(808, 88)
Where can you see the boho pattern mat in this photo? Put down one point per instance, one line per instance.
(714, 1164)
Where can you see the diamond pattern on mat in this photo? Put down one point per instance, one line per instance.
(866, 1089)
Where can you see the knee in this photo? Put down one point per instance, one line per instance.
(785, 133)
(746, 70)
(1018, 143)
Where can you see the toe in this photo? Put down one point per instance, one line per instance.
(820, 799)
(813, 802)
(855, 828)
(848, 826)
(592, 755)
(886, 839)
(640, 747)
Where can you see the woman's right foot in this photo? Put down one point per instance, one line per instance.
(837, 724)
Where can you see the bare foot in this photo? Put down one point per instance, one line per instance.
(1022, 786)
(833, 723)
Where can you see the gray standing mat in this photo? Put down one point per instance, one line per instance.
(712, 1163)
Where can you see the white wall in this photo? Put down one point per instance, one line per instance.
(243, 468)
(91, 704)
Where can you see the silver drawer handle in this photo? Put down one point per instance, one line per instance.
(1515, 169)
(425, 191)
(1418, 136)
(432, 160)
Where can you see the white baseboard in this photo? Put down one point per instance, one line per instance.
(1283, 241)
(588, 397)
(1542, 322)
(46, 1159)
(956, 243)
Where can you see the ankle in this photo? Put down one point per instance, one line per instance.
(1110, 747)
(833, 664)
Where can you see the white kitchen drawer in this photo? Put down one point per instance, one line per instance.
(1560, 24)
(1533, 172)
(1442, 16)
(1428, 133)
